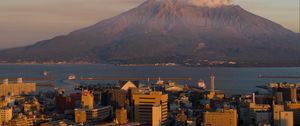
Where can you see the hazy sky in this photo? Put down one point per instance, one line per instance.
(25, 22)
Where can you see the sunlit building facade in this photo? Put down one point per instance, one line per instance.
(18, 88)
(151, 108)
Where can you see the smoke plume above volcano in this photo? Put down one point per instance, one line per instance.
(210, 3)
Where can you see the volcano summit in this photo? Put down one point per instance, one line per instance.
(179, 31)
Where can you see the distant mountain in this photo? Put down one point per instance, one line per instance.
(162, 31)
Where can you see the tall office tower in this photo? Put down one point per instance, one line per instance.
(224, 118)
(294, 94)
(151, 109)
(121, 115)
(87, 99)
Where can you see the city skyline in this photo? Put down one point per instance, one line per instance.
(36, 20)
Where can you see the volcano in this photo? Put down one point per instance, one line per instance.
(163, 31)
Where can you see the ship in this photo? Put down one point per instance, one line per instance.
(72, 77)
(201, 84)
(45, 73)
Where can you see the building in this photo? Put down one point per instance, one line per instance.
(126, 85)
(212, 92)
(3, 102)
(289, 91)
(70, 102)
(87, 99)
(92, 115)
(295, 108)
(33, 105)
(121, 116)
(18, 88)
(276, 114)
(20, 120)
(263, 118)
(156, 116)
(222, 118)
(151, 108)
(286, 119)
(5, 115)
(118, 98)
(80, 116)
(59, 123)
(294, 94)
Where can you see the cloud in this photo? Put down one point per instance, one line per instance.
(210, 3)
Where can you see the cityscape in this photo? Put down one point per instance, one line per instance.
(132, 103)
(149, 63)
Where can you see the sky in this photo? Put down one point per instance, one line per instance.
(24, 22)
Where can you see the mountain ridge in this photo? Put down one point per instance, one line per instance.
(169, 31)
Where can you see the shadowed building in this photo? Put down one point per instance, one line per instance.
(121, 116)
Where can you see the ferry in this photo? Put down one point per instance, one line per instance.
(201, 84)
(45, 73)
(71, 77)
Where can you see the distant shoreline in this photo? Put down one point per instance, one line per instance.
(155, 65)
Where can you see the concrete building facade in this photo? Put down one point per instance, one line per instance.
(18, 88)
(224, 118)
(5, 115)
(151, 108)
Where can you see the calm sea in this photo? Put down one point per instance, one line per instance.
(229, 80)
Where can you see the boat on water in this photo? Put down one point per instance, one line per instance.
(72, 77)
(45, 73)
(159, 81)
(201, 84)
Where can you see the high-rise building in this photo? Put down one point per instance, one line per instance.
(223, 118)
(121, 116)
(18, 88)
(151, 108)
(87, 99)
(5, 115)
